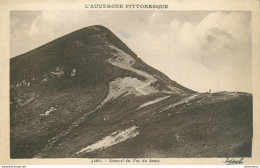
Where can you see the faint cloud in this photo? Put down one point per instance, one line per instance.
(198, 49)
(124, 34)
(210, 54)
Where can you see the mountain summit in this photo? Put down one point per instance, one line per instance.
(87, 94)
(96, 55)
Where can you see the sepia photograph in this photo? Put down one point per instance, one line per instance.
(131, 84)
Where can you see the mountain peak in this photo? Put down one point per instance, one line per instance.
(97, 27)
(91, 30)
(87, 93)
(97, 55)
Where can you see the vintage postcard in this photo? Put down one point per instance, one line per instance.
(130, 82)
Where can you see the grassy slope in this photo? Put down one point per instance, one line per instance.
(210, 129)
(74, 97)
(215, 129)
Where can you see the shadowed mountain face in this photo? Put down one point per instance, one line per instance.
(88, 95)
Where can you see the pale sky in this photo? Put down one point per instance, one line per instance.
(200, 50)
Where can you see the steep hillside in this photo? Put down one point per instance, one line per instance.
(87, 94)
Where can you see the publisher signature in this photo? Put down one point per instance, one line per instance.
(234, 161)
